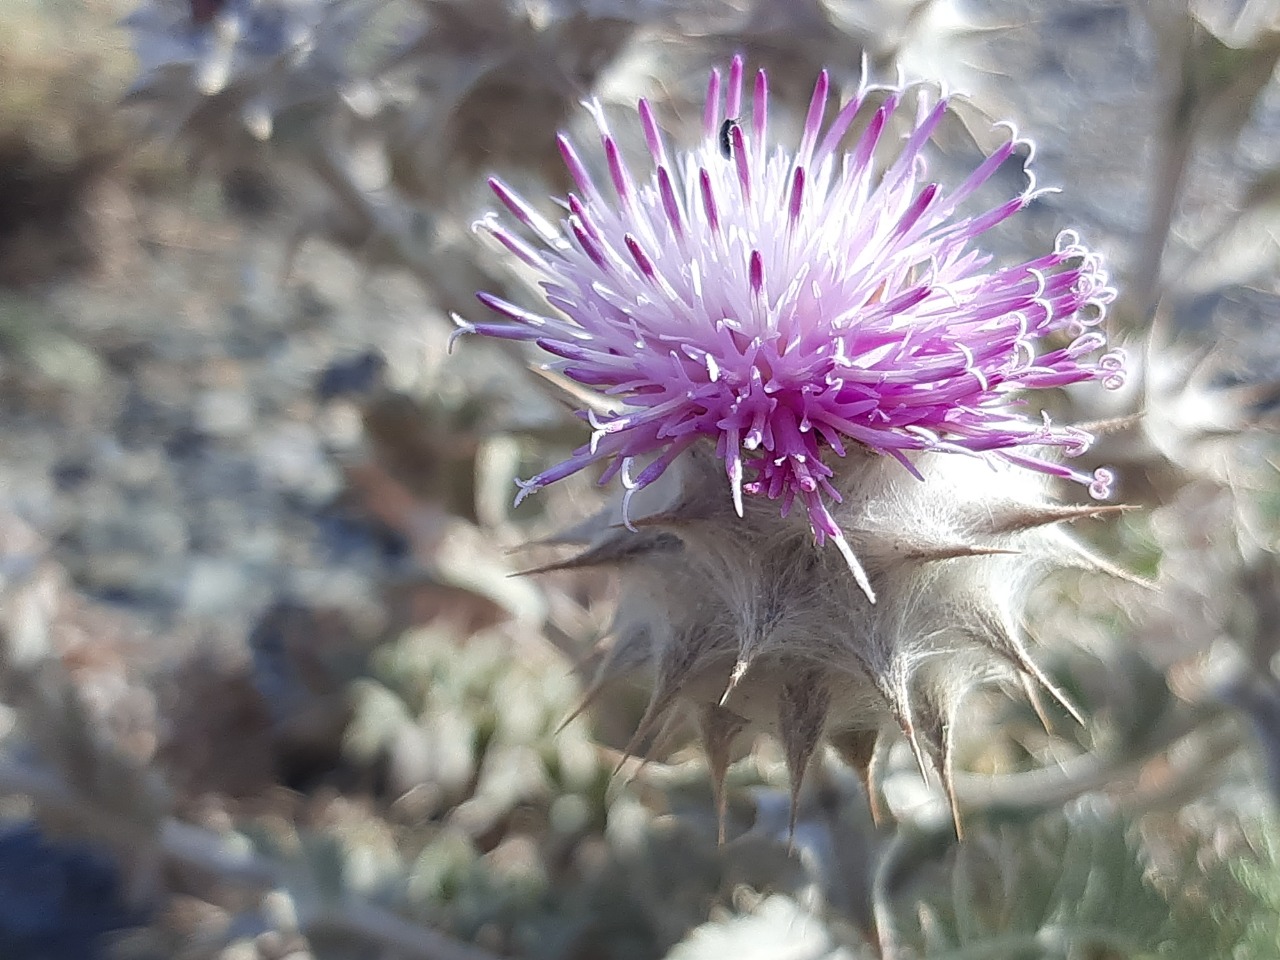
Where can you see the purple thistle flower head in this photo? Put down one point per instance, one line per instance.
(787, 303)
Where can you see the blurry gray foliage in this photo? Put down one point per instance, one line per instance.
(1073, 884)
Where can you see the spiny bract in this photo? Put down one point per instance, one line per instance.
(818, 326)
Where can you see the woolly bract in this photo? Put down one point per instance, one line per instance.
(744, 623)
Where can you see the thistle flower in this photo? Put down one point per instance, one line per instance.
(787, 305)
(815, 326)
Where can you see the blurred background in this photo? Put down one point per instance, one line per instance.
(270, 688)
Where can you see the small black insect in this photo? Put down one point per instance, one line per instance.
(203, 11)
(726, 137)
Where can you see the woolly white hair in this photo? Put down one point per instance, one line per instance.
(745, 624)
